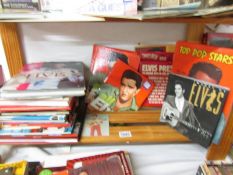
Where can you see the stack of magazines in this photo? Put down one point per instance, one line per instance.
(44, 103)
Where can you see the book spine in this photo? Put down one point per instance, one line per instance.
(38, 136)
(33, 108)
(34, 130)
(34, 118)
(7, 124)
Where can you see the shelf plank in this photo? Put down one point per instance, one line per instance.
(142, 116)
(200, 20)
(144, 126)
(46, 17)
(84, 18)
(139, 134)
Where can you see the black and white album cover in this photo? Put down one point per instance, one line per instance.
(193, 107)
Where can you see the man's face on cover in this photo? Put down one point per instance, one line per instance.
(205, 77)
(128, 89)
(179, 91)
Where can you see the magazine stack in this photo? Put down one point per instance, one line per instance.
(43, 104)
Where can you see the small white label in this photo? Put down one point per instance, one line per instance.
(78, 165)
(124, 134)
(147, 85)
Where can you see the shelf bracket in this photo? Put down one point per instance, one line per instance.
(12, 47)
(195, 32)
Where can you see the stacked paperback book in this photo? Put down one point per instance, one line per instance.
(44, 103)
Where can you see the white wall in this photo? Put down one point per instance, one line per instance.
(74, 41)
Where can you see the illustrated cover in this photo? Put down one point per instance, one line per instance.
(104, 58)
(96, 125)
(208, 63)
(193, 107)
(91, 162)
(218, 39)
(157, 72)
(124, 90)
(46, 79)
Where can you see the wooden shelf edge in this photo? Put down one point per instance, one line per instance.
(200, 20)
(138, 134)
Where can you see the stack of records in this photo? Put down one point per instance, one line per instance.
(43, 104)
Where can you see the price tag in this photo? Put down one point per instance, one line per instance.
(124, 134)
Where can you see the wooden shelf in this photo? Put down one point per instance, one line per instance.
(144, 127)
(42, 17)
(150, 131)
(200, 20)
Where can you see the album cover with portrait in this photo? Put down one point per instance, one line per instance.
(207, 63)
(124, 89)
(104, 58)
(193, 107)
